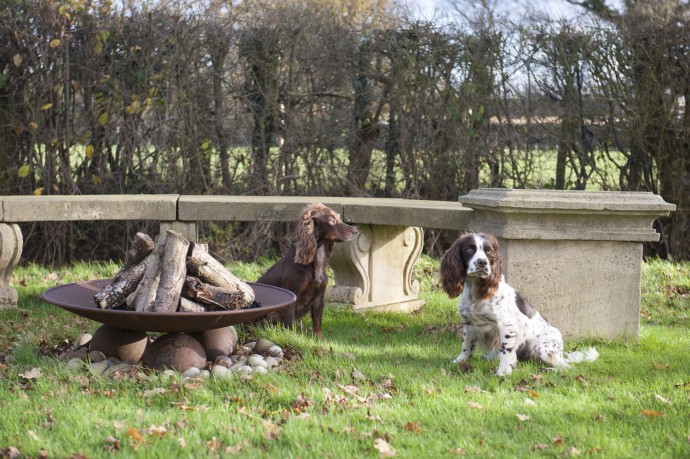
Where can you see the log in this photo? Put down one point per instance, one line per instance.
(173, 271)
(145, 293)
(210, 271)
(216, 297)
(187, 305)
(141, 246)
(116, 293)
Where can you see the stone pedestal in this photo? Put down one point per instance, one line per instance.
(11, 244)
(575, 255)
(374, 271)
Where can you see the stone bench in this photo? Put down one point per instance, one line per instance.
(372, 272)
(576, 255)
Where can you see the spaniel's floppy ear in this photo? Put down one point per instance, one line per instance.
(453, 270)
(305, 236)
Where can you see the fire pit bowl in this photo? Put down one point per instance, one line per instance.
(78, 299)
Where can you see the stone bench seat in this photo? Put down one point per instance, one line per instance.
(576, 255)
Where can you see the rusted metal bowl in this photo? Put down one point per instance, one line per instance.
(78, 299)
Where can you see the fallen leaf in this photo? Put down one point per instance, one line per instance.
(384, 448)
(530, 402)
(456, 451)
(663, 399)
(412, 427)
(474, 405)
(522, 417)
(356, 374)
(155, 391)
(32, 374)
(213, 444)
(182, 442)
(473, 389)
(557, 440)
(539, 447)
(112, 444)
(572, 451)
(156, 431)
(33, 435)
(533, 394)
(651, 413)
(270, 430)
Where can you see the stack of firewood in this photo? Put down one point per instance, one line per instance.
(173, 274)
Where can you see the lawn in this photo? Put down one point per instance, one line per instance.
(379, 385)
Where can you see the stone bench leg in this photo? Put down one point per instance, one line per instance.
(11, 244)
(374, 271)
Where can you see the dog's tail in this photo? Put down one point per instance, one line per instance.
(587, 355)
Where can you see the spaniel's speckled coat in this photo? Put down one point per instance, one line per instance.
(494, 315)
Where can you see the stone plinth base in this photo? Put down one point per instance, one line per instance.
(374, 271)
(11, 244)
(575, 255)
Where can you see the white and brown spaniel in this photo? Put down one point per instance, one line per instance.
(495, 316)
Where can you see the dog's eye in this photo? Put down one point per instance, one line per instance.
(331, 221)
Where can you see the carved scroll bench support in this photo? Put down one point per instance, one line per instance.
(374, 271)
(11, 244)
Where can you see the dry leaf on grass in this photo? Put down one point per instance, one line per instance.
(34, 373)
(522, 417)
(651, 413)
(412, 427)
(270, 430)
(474, 405)
(384, 448)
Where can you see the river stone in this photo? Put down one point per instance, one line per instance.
(97, 368)
(255, 360)
(177, 351)
(96, 356)
(220, 341)
(271, 361)
(263, 345)
(83, 340)
(221, 372)
(126, 345)
(191, 372)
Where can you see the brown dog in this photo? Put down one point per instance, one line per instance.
(302, 270)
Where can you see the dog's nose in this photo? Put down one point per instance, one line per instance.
(481, 263)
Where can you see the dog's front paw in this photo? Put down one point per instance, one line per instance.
(461, 359)
(504, 370)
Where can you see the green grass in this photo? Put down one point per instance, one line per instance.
(375, 377)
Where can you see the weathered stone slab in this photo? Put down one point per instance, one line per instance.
(575, 255)
(18, 209)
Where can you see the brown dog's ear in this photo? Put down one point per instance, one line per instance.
(305, 238)
(453, 270)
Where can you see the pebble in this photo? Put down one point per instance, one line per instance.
(97, 368)
(260, 370)
(83, 340)
(245, 370)
(255, 360)
(204, 374)
(250, 345)
(224, 360)
(262, 346)
(191, 372)
(115, 368)
(219, 371)
(75, 364)
(96, 356)
(275, 351)
(271, 362)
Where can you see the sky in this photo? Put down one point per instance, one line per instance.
(554, 8)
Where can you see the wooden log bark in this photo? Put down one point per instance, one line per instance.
(145, 293)
(142, 245)
(210, 271)
(173, 271)
(216, 297)
(187, 305)
(116, 293)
